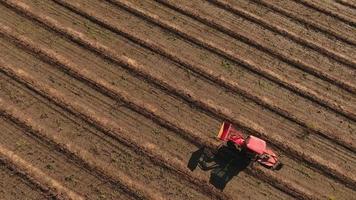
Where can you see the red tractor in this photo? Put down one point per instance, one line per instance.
(252, 146)
(232, 156)
(248, 150)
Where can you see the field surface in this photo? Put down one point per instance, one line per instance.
(108, 99)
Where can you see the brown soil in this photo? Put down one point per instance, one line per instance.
(116, 96)
(14, 186)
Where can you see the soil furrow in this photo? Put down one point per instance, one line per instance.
(347, 3)
(26, 166)
(113, 53)
(85, 93)
(58, 163)
(284, 185)
(15, 184)
(301, 34)
(104, 159)
(329, 8)
(231, 75)
(159, 156)
(100, 150)
(283, 144)
(298, 56)
(74, 173)
(75, 58)
(157, 132)
(283, 111)
(287, 182)
(167, 50)
(313, 19)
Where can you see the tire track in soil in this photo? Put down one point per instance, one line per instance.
(301, 87)
(313, 19)
(260, 99)
(326, 71)
(281, 25)
(328, 8)
(15, 184)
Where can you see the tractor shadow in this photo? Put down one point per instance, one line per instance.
(224, 164)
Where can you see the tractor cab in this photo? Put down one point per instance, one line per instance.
(255, 144)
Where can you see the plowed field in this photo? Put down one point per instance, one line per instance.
(108, 99)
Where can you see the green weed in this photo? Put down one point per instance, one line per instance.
(49, 166)
(227, 65)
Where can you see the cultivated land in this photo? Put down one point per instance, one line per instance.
(108, 99)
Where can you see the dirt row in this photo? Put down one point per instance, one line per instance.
(140, 30)
(107, 156)
(136, 58)
(318, 20)
(259, 186)
(50, 167)
(14, 185)
(231, 23)
(346, 3)
(42, 34)
(305, 170)
(238, 185)
(301, 57)
(325, 147)
(333, 9)
(287, 27)
(225, 72)
(262, 97)
(131, 62)
(154, 137)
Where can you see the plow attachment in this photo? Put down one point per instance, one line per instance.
(229, 133)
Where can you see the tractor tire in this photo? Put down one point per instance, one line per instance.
(277, 166)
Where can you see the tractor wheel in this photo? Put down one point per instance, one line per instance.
(277, 166)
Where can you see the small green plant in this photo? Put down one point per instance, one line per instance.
(261, 84)
(305, 75)
(156, 131)
(227, 65)
(21, 144)
(331, 198)
(69, 178)
(172, 37)
(49, 166)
